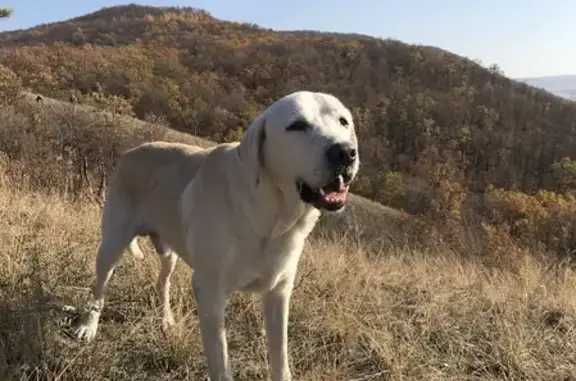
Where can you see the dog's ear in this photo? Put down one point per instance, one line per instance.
(251, 149)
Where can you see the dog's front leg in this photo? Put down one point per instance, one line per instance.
(211, 305)
(276, 304)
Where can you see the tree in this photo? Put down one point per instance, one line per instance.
(564, 171)
(5, 12)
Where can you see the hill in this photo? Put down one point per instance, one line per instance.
(442, 137)
(561, 85)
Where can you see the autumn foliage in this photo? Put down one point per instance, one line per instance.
(442, 136)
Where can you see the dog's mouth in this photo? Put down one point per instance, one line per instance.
(331, 197)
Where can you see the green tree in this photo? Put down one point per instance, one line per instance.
(564, 171)
(5, 12)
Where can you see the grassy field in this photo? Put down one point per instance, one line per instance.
(403, 316)
(367, 306)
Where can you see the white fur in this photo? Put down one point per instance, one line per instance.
(232, 213)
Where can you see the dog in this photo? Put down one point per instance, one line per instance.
(237, 213)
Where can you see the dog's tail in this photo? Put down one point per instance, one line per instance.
(134, 249)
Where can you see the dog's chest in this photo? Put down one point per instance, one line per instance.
(272, 262)
(276, 259)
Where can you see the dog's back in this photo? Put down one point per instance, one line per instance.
(139, 168)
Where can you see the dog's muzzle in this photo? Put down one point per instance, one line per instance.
(341, 158)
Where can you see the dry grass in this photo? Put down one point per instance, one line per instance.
(404, 316)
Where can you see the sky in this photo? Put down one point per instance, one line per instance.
(525, 38)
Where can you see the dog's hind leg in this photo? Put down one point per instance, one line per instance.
(117, 233)
(168, 260)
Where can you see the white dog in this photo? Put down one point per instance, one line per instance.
(238, 214)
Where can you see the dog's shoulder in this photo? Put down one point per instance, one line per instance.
(219, 158)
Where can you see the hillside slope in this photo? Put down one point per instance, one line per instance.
(402, 314)
(419, 108)
(438, 132)
(36, 161)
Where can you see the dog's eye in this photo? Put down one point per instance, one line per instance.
(343, 121)
(299, 125)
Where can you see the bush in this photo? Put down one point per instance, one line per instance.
(546, 219)
(564, 172)
(10, 85)
(66, 149)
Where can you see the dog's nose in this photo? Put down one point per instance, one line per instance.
(341, 154)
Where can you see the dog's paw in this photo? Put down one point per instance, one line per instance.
(85, 331)
(168, 322)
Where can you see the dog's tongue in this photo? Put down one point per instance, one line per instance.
(335, 195)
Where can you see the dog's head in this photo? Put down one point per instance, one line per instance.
(305, 140)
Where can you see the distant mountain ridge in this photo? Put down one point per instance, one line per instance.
(561, 85)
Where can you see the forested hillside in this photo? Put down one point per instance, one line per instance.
(441, 136)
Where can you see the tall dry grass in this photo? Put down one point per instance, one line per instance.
(403, 316)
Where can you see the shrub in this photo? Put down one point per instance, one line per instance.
(65, 149)
(10, 85)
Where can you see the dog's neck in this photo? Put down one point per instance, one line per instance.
(291, 210)
(273, 208)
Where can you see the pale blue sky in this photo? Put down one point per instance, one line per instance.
(524, 37)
